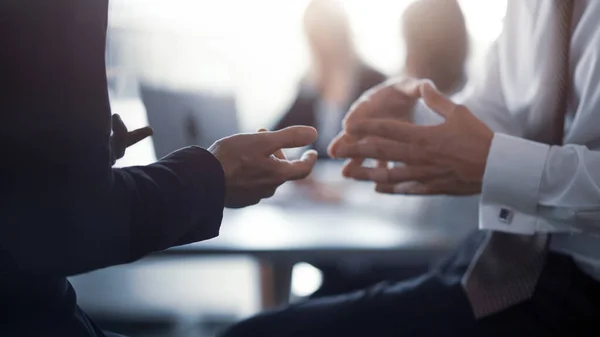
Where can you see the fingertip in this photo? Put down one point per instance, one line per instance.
(341, 141)
(310, 155)
(332, 148)
(427, 88)
(347, 171)
(429, 82)
(350, 166)
(435, 100)
(408, 86)
(309, 129)
(300, 169)
(308, 134)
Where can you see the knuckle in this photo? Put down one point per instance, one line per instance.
(388, 129)
(420, 141)
(381, 152)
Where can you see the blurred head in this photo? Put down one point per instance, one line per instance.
(436, 42)
(328, 33)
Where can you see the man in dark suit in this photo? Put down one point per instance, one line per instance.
(64, 209)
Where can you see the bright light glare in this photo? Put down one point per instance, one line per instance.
(306, 279)
(484, 18)
(256, 49)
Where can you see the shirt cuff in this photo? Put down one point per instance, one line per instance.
(511, 185)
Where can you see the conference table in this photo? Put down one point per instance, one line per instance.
(344, 220)
(292, 227)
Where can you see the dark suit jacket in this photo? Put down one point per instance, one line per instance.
(303, 110)
(64, 210)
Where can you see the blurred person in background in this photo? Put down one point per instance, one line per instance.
(65, 210)
(435, 38)
(436, 41)
(337, 76)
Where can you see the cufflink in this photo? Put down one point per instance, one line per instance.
(505, 215)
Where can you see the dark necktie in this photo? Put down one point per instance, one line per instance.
(506, 268)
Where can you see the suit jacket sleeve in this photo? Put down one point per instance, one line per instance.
(63, 209)
(55, 221)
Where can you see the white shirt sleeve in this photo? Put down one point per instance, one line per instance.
(531, 187)
(528, 187)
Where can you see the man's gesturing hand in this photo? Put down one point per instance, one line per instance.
(254, 166)
(449, 158)
(391, 100)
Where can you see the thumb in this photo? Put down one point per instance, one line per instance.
(408, 86)
(301, 168)
(436, 101)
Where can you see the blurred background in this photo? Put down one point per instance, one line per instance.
(198, 70)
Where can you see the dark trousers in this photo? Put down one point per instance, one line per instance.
(566, 303)
(341, 279)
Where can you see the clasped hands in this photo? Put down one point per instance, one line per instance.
(446, 159)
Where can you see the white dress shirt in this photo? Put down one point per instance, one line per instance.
(550, 189)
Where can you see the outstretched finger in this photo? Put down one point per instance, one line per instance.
(291, 137)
